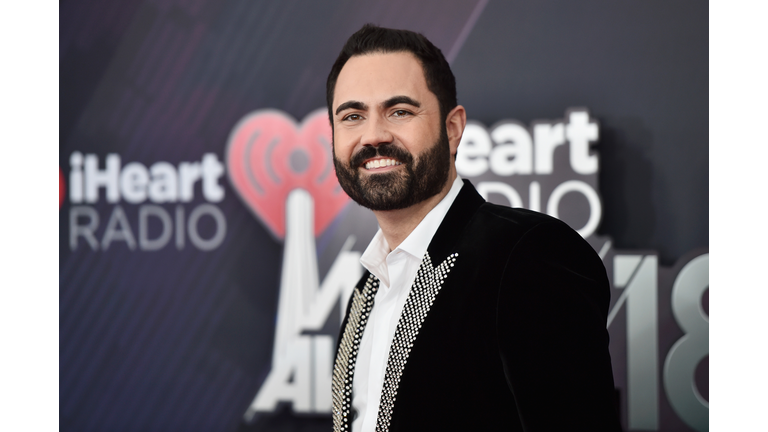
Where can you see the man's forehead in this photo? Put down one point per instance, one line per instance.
(375, 77)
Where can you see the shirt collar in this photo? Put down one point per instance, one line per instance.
(416, 244)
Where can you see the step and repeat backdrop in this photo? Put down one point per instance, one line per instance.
(186, 126)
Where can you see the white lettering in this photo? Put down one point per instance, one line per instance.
(221, 227)
(487, 188)
(145, 243)
(580, 131)
(84, 223)
(304, 307)
(595, 209)
(308, 364)
(86, 231)
(515, 157)
(133, 182)
(189, 173)
(118, 228)
(546, 137)
(323, 354)
(682, 359)
(164, 186)
(289, 380)
(179, 227)
(76, 177)
(212, 170)
(475, 146)
(94, 178)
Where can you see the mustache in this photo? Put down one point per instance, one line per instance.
(387, 150)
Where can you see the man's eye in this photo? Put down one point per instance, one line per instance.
(401, 113)
(352, 117)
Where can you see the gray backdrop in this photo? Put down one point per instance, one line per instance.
(179, 335)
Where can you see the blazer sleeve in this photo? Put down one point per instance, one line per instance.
(551, 315)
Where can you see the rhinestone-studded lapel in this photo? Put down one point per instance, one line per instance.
(429, 281)
(344, 368)
(425, 288)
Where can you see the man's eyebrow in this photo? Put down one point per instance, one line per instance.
(351, 105)
(399, 100)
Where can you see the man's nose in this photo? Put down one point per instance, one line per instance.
(376, 132)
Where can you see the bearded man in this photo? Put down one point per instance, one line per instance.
(471, 316)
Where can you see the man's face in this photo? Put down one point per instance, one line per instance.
(390, 149)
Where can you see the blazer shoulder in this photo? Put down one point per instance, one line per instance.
(515, 217)
(526, 231)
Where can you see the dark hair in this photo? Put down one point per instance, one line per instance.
(374, 39)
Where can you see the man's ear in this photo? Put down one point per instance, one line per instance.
(454, 125)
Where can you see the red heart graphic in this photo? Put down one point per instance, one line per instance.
(269, 155)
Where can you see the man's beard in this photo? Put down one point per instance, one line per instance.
(399, 188)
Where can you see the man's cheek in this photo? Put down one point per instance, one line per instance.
(341, 152)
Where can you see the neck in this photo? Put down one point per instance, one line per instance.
(397, 225)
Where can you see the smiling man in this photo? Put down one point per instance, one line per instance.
(471, 316)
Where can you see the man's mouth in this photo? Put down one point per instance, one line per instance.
(381, 163)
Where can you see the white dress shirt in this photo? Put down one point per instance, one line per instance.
(396, 271)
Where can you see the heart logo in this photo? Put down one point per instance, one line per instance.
(269, 155)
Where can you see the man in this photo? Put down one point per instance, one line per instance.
(471, 316)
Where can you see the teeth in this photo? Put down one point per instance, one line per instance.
(378, 163)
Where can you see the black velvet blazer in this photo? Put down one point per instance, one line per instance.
(513, 337)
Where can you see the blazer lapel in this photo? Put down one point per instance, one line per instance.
(429, 281)
(346, 354)
(425, 288)
(449, 233)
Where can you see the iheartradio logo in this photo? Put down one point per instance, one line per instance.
(283, 172)
(269, 155)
